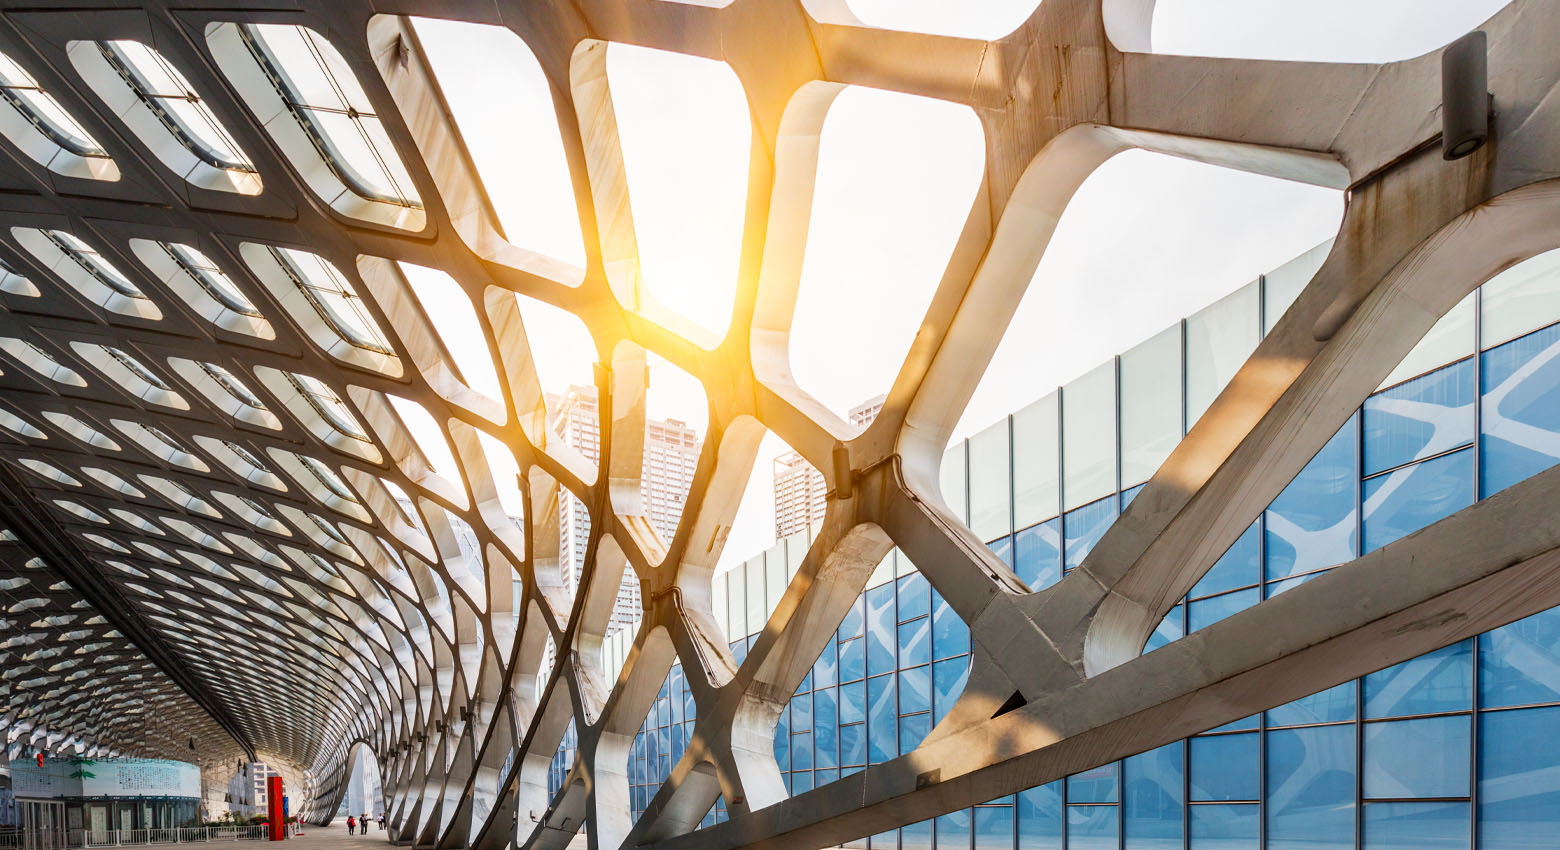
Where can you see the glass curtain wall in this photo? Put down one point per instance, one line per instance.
(1455, 748)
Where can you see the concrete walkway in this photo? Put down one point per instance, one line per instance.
(334, 837)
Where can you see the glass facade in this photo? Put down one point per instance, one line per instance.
(1455, 748)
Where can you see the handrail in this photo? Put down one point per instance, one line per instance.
(70, 839)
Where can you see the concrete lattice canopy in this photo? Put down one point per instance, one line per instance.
(208, 350)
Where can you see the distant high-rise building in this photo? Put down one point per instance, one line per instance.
(862, 414)
(799, 488)
(575, 418)
(247, 789)
(365, 794)
(799, 494)
(671, 456)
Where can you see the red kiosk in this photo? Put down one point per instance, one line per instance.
(273, 801)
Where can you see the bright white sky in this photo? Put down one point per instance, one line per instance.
(1314, 30)
(1147, 239)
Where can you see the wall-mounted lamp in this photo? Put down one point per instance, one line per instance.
(1465, 96)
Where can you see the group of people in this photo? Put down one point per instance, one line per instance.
(359, 825)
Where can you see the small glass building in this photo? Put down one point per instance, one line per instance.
(102, 796)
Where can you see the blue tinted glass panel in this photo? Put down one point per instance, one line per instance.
(1040, 817)
(1520, 409)
(915, 642)
(994, 828)
(1434, 682)
(1037, 554)
(1329, 706)
(1205, 612)
(1084, 527)
(915, 597)
(1002, 547)
(1419, 418)
(886, 840)
(882, 717)
(1416, 826)
(854, 620)
(880, 629)
(950, 636)
(801, 713)
(1310, 787)
(1427, 757)
(913, 730)
(801, 752)
(1224, 767)
(853, 659)
(1400, 503)
(853, 702)
(1093, 828)
(1224, 827)
(917, 836)
(1311, 524)
(1239, 566)
(915, 690)
(1519, 783)
(1171, 628)
(953, 831)
(1098, 785)
(1152, 793)
(1519, 664)
(948, 678)
(825, 671)
(853, 745)
(825, 729)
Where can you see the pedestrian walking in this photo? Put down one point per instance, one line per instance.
(365, 822)
(351, 825)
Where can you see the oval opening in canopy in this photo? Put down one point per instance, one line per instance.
(684, 131)
(1313, 31)
(896, 175)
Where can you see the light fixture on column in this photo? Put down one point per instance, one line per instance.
(1465, 97)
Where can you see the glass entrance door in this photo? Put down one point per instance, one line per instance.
(43, 824)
